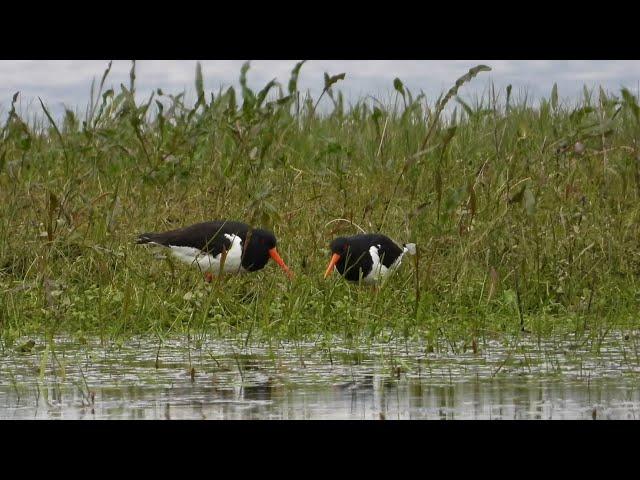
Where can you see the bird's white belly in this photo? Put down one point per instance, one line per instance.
(210, 263)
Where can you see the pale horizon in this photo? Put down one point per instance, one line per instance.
(66, 83)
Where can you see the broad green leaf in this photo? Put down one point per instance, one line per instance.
(132, 76)
(529, 201)
(243, 74)
(199, 84)
(329, 81)
(293, 81)
(263, 93)
(397, 84)
(631, 103)
(232, 106)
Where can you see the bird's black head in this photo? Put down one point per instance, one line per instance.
(339, 245)
(261, 246)
(263, 239)
(350, 256)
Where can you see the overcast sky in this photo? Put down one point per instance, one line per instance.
(67, 82)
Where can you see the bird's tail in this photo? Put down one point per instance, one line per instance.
(146, 238)
(409, 248)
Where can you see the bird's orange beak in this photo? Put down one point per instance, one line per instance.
(273, 253)
(332, 263)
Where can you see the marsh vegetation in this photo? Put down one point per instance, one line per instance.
(526, 216)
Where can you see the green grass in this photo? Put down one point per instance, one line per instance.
(524, 216)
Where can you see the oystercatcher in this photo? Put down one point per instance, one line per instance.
(371, 257)
(220, 246)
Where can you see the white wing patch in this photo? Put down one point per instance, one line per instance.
(206, 262)
(378, 271)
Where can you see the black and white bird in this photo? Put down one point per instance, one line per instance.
(220, 247)
(370, 257)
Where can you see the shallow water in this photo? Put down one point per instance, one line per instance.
(211, 379)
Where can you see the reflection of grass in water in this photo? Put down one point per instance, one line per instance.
(524, 217)
(14, 385)
(238, 375)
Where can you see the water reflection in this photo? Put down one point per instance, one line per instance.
(220, 380)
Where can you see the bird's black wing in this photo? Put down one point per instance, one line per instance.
(207, 236)
(387, 250)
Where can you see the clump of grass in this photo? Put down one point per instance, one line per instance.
(526, 217)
